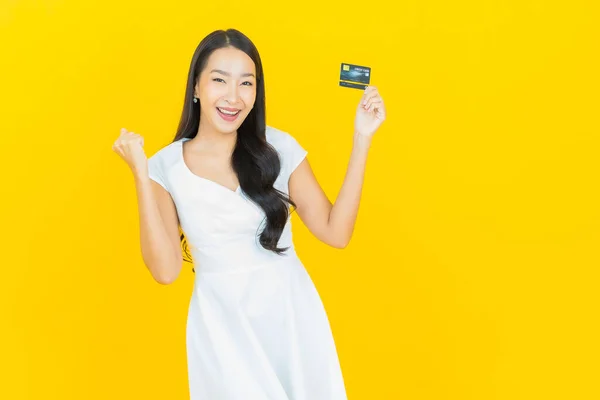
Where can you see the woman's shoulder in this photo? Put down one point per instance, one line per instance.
(167, 154)
(290, 150)
(278, 138)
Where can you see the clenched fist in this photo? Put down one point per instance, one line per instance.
(130, 147)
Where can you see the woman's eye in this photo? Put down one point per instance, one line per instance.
(221, 80)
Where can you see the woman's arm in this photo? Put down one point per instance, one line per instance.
(333, 224)
(159, 224)
(159, 231)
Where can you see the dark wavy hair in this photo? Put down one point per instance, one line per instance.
(255, 162)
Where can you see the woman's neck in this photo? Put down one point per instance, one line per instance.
(209, 139)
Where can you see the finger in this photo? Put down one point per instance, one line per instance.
(363, 98)
(369, 95)
(375, 101)
(381, 110)
(374, 106)
(373, 93)
(372, 100)
(370, 89)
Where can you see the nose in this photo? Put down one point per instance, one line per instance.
(232, 94)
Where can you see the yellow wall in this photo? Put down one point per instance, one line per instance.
(473, 273)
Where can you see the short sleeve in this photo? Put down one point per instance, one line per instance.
(295, 154)
(156, 170)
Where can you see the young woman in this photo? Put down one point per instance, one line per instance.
(256, 327)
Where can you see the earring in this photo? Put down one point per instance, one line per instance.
(195, 99)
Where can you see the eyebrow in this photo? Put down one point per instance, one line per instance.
(228, 74)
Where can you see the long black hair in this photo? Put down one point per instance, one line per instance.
(255, 162)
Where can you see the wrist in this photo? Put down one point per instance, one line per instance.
(362, 141)
(141, 177)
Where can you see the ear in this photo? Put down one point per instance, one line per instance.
(197, 88)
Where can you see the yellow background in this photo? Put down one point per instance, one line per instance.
(473, 272)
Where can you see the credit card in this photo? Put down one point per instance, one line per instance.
(353, 85)
(354, 76)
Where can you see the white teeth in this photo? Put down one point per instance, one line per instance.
(228, 112)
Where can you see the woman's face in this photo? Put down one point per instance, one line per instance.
(227, 85)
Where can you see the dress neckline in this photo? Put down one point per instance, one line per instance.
(190, 172)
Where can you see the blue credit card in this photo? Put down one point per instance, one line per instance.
(354, 76)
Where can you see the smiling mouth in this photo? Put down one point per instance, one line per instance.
(228, 116)
(229, 112)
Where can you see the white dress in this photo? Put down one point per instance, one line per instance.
(256, 327)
